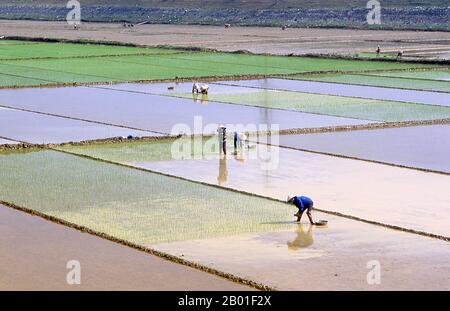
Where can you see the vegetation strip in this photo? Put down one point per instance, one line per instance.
(369, 126)
(323, 94)
(138, 247)
(85, 56)
(299, 78)
(54, 84)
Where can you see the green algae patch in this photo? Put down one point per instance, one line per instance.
(136, 206)
(359, 108)
(382, 80)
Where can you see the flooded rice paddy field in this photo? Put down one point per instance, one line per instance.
(332, 258)
(156, 113)
(37, 128)
(132, 205)
(206, 208)
(425, 147)
(380, 81)
(264, 94)
(345, 107)
(106, 265)
(214, 225)
(389, 94)
(346, 186)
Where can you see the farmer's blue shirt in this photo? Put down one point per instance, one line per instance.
(302, 203)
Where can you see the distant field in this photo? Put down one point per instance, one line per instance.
(24, 50)
(241, 4)
(382, 79)
(400, 14)
(61, 63)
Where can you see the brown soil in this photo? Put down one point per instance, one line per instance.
(253, 39)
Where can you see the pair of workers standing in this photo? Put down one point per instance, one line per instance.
(238, 139)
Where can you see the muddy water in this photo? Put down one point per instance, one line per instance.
(42, 129)
(420, 97)
(157, 113)
(370, 191)
(331, 258)
(105, 265)
(425, 147)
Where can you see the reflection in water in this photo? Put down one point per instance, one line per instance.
(223, 171)
(200, 99)
(239, 155)
(303, 239)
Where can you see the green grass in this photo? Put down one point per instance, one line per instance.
(136, 206)
(383, 81)
(366, 109)
(30, 62)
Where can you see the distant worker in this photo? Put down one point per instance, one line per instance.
(400, 54)
(378, 50)
(222, 131)
(227, 26)
(197, 89)
(239, 140)
(303, 204)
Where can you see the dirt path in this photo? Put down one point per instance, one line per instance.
(254, 39)
(34, 254)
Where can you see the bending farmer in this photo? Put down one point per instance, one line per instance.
(303, 204)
